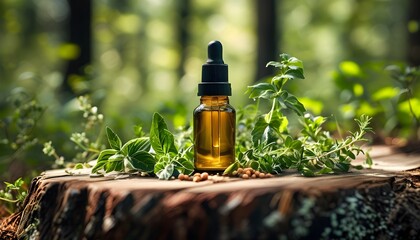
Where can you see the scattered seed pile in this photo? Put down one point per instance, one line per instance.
(244, 173)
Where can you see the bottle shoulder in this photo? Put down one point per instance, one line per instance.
(221, 107)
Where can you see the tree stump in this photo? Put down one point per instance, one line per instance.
(369, 203)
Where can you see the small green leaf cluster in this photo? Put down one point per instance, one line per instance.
(18, 126)
(88, 143)
(264, 142)
(156, 154)
(14, 194)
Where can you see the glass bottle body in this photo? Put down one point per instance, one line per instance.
(214, 133)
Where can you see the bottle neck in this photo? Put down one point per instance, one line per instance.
(214, 100)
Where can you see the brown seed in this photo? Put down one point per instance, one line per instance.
(190, 178)
(196, 179)
(186, 177)
(261, 175)
(204, 176)
(181, 176)
(257, 173)
(240, 170)
(254, 176)
(248, 172)
(269, 175)
(245, 176)
(197, 174)
(247, 169)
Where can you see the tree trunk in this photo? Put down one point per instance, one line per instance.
(80, 34)
(414, 35)
(184, 11)
(267, 38)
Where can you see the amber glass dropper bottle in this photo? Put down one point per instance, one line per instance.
(214, 118)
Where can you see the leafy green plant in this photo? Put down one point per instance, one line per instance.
(13, 194)
(263, 140)
(266, 144)
(407, 77)
(19, 116)
(132, 156)
(393, 100)
(156, 154)
(88, 142)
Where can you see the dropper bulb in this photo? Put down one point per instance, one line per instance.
(215, 53)
(214, 73)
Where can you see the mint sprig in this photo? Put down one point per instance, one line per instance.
(131, 157)
(156, 154)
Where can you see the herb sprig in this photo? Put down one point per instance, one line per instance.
(14, 194)
(156, 154)
(265, 144)
(263, 139)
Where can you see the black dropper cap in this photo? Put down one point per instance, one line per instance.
(214, 76)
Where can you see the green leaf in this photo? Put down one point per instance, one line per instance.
(295, 73)
(254, 165)
(307, 172)
(142, 161)
(284, 57)
(325, 170)
(343, 167)
(128, 166)
(115, 163)
(161, 139)
(351, 155)
(232, 167)
(113, 139)
(358, 167)
(135, 145)
(262, 133)
(275, 64)
(103, 159)
(168, 142)
(166, 172)
(369, 160)
(261, 90)
(292, 61)
(288, 101)
(78, 166)
(266, 132)
(184, 166)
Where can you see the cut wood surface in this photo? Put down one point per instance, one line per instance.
(383, 202)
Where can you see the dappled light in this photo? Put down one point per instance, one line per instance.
(97, 92)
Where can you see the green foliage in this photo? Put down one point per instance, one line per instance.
(132, 156)
(88, 142)
(394, 104)
(155, 154)
(13, 194)
(312, 152)
(263, 140)
(408, 77)
(19, 117)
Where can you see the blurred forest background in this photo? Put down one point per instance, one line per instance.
(135, 57)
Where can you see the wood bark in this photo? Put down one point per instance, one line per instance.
(358, 205)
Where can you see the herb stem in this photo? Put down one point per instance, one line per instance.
(9, 200)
